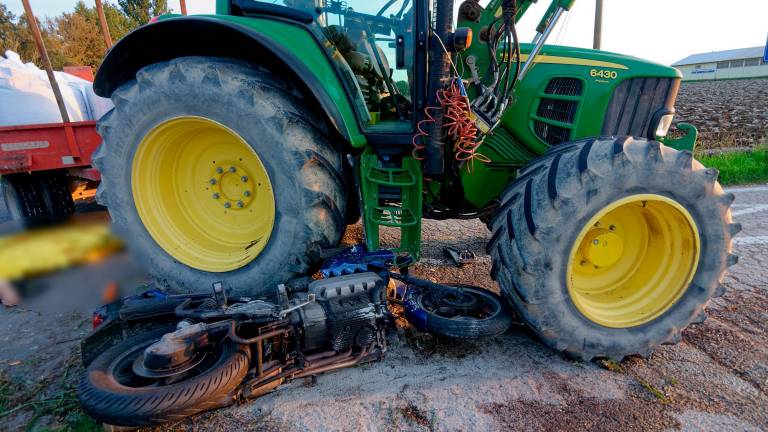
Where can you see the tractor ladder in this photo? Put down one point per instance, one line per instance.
(391, 195)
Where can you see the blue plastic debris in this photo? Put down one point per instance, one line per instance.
(356, 259)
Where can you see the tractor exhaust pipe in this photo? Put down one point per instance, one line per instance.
(439, 72)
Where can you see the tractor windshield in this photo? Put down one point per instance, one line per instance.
(375, 41)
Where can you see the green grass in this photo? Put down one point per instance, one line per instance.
(52, 396)
(740, 167)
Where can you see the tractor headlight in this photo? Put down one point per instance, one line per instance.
(664, 123)
(660, 123)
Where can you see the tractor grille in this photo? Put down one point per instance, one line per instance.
(551, 134)
(557, 110)
(565, 87)
(634, 103)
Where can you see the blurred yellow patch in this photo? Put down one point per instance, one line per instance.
(50, 249)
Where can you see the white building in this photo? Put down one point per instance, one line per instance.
(729, 64)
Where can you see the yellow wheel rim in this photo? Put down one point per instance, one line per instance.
(203, 194)
(633, 260)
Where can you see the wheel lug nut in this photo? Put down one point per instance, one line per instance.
(244, 179)
(612, 227)
(216, 195)
(232, 169)
(247, 193)
(212, 181)
(219, 170)
(583, 263)
(227, 205)
(595, 242)
(240, 204)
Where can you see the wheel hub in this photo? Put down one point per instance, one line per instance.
(232, 186)
(633, 260)
(203, 194)
(601, 247)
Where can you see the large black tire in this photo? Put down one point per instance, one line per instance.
(107, 400)
(282, 128)
(34, 199)
(25, 195)
(545, 208)
(10, 206)
(57, 195)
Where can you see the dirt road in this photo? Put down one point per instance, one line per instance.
(715, 379)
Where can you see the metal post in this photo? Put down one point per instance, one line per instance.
(598, 25)
(183, 5)
(103, 24)
(46, 61)
(540, 43)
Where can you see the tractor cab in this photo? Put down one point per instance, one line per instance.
(372, 45)
(375, 43)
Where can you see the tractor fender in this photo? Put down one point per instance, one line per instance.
(207, 36)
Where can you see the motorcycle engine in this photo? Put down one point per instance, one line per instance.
(348, 312)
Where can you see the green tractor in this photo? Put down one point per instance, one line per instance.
(243, 143)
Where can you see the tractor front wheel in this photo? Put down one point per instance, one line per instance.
(610, 247)
(214, 170)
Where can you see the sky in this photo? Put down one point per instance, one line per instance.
(659, 30)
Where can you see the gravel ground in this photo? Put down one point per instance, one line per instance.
(715, 379)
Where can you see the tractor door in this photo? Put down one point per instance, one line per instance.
(373, 44)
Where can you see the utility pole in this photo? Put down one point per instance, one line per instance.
(183, 5)
(598, 24)
(103, 24)
(46, 60)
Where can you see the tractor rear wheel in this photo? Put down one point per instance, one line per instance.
(213, 170)
(610, 247)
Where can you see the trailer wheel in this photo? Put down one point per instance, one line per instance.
(56, 195)
(10, 206)
(35, 199)
(611, 247)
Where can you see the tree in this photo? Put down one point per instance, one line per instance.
(73, 38)
(119, 24)
(9, 32)
(27, 49)
(140, 11)
(81, 40)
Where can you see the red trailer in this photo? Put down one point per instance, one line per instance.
(39, 162)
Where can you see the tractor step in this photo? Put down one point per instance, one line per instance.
(391, 176)
(392, 198)
(393, 216)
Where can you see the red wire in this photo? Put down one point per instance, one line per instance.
(459, 124)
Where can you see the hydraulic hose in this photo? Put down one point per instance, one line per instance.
(439, 74)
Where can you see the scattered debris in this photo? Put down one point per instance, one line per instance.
(460, 258)
(611, 365)
(653, 390)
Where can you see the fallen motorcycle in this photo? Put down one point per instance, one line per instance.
(155, 358)
(223, 349)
